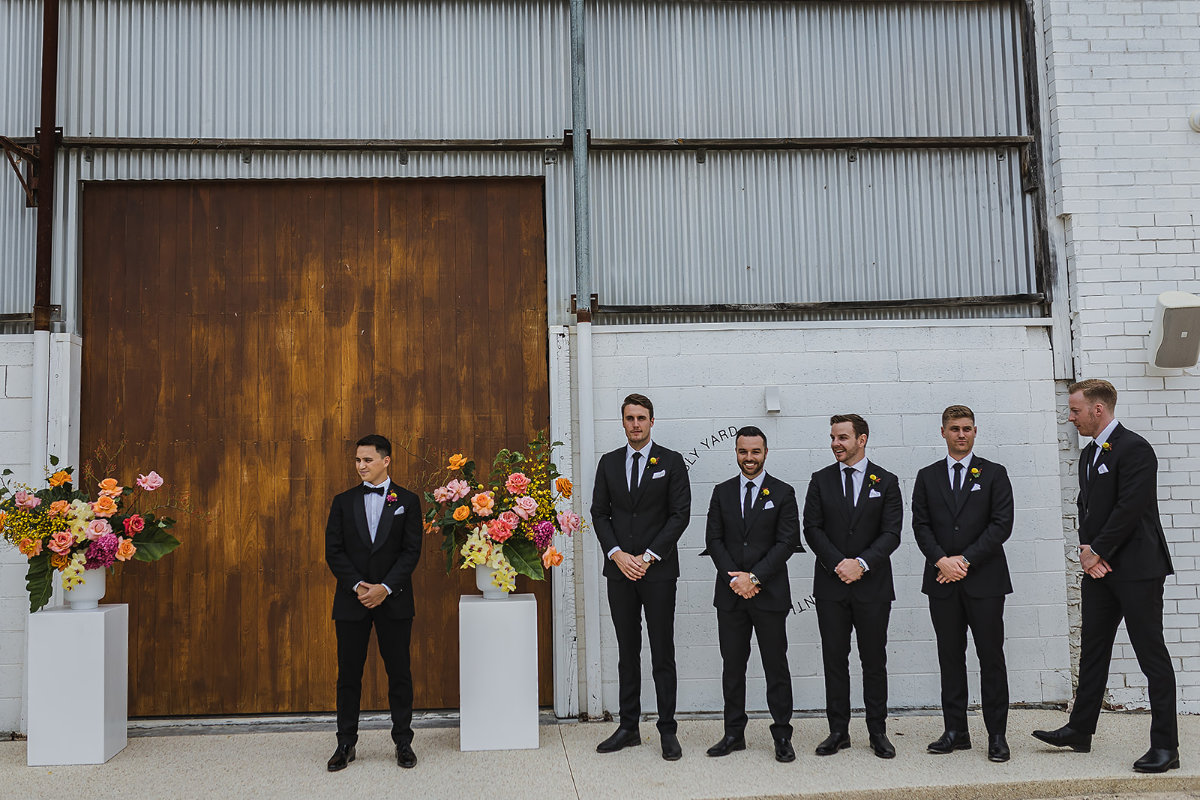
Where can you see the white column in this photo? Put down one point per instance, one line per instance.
(498, 673)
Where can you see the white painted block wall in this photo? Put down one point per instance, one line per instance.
(1121, 81)
(705, 379)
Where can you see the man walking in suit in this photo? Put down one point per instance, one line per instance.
(962, 514)
(641, 505)
(1124, 554)
(372, 544)
(852, 518)
(753, 528)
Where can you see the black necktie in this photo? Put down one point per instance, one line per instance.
(372, 489)
(850, 486)
(634, 473)
(749, 501)
(958, 473)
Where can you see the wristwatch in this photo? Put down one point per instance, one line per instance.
(754, 579)
(647, 559)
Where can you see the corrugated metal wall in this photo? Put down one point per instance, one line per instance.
(812, 226)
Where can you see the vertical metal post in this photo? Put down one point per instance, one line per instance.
(47, 146)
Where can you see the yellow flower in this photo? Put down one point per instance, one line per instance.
(564, 487)
(461, 513)
(974, 472)
(59, 478)
(457, 461)
(1106, 446)
(766, 492)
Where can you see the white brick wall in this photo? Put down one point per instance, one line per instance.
(707, 378)
(1121, 80)
(16, 359)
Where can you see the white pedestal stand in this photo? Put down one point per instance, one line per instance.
(78, 672)
(498, 673)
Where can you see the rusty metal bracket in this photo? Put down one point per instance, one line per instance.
(17, 154)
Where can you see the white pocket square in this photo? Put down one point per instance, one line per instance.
(976, 488)
(1102, 469)
(874, 494)
(658, 474)
(399, 511)
(768, 504)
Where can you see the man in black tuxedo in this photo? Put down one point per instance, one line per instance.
(1124, 554)
(641, 505)
(962, 514)
(753, 528)
(852, 518)
(372, 544)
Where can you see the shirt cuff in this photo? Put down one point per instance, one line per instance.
(389, 589)
(653, 554)
(609, 554)
(863, 564)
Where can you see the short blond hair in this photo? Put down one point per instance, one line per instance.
(1096, 390)
(957, 412)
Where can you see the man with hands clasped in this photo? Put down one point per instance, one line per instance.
(852, 518)
(962, 514)
(641, 505)
(753, 528)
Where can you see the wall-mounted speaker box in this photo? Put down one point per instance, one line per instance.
(1175, 335)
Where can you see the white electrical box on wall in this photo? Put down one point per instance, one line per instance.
(1175, 334)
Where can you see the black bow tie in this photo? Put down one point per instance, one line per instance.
(372, 489)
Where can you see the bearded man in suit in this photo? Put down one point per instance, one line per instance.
(962, 515)
(1123, 551)
(852, 518)
(372, 545)
(641, 505)
(753, 528)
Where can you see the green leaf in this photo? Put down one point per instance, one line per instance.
(523, 556)
(7, 472)
(153, 543)
(54, 461)
(39, 581)
(451, 547)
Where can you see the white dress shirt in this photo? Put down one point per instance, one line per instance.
(757, 483)
(642, 462)
(1102, 438)
(373, 504)
(966, 471)
(859, 475)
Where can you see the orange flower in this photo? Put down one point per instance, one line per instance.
(564, 487)
(551, 558)
(3, 517)
(457, 461)
(59, 508)
(59, 561)
(109, 488)
(482, 504)
(104, 506)
(30, 547)
(461, 513)
(125, 550)
(59, 478)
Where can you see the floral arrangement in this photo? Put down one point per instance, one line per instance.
(508, 521)
(59, 528)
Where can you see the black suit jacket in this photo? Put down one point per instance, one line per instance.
(654, 519)
(761, 543)
(1118, 508)
(975, 526)
(872, 532)
(352, 557)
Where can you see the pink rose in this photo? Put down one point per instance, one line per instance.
(517, 483)
(458, 490)
(498, 532)
(525, 507)
(26, 501)
(569, 522)
(98, 528)
(510, 519)
(150, 482)
(442, 494)
(62, 542)
(134, 524)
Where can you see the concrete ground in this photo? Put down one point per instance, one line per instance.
(288, 762)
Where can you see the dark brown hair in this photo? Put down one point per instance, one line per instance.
(638, 400)
(860, 425)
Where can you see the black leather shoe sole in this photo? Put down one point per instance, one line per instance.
(824, 749)
(1078, 745)
(1154, 768)
(614, 743)
(999, 758)
(721, 749)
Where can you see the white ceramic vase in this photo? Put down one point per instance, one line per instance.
(89, 593)
(483, 581)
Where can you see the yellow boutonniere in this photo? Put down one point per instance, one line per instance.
(974, 472)
(653, 460)
(766, 492)
(1106, 447)
(873, 479)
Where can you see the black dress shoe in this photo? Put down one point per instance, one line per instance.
(1158, 759)
(620, 740)
(727, 745)
(837, 740)
(405, 756)
(881, 746)
(1066, 737)
(950, 741)
(670, 747)
(998, 748)
(341, 757)
(784, 753)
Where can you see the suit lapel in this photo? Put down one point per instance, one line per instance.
(647, 472)
(943, 482)
(755, 508)
(360, 517)
(863, 493)
(1085, 461)
(385, 520)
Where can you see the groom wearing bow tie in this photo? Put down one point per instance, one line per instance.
(372, 544)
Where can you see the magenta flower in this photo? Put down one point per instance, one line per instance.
(569, 521)
(543, 534)
(26, 501)
(102, 552)
(150, 482)
(525, 507)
